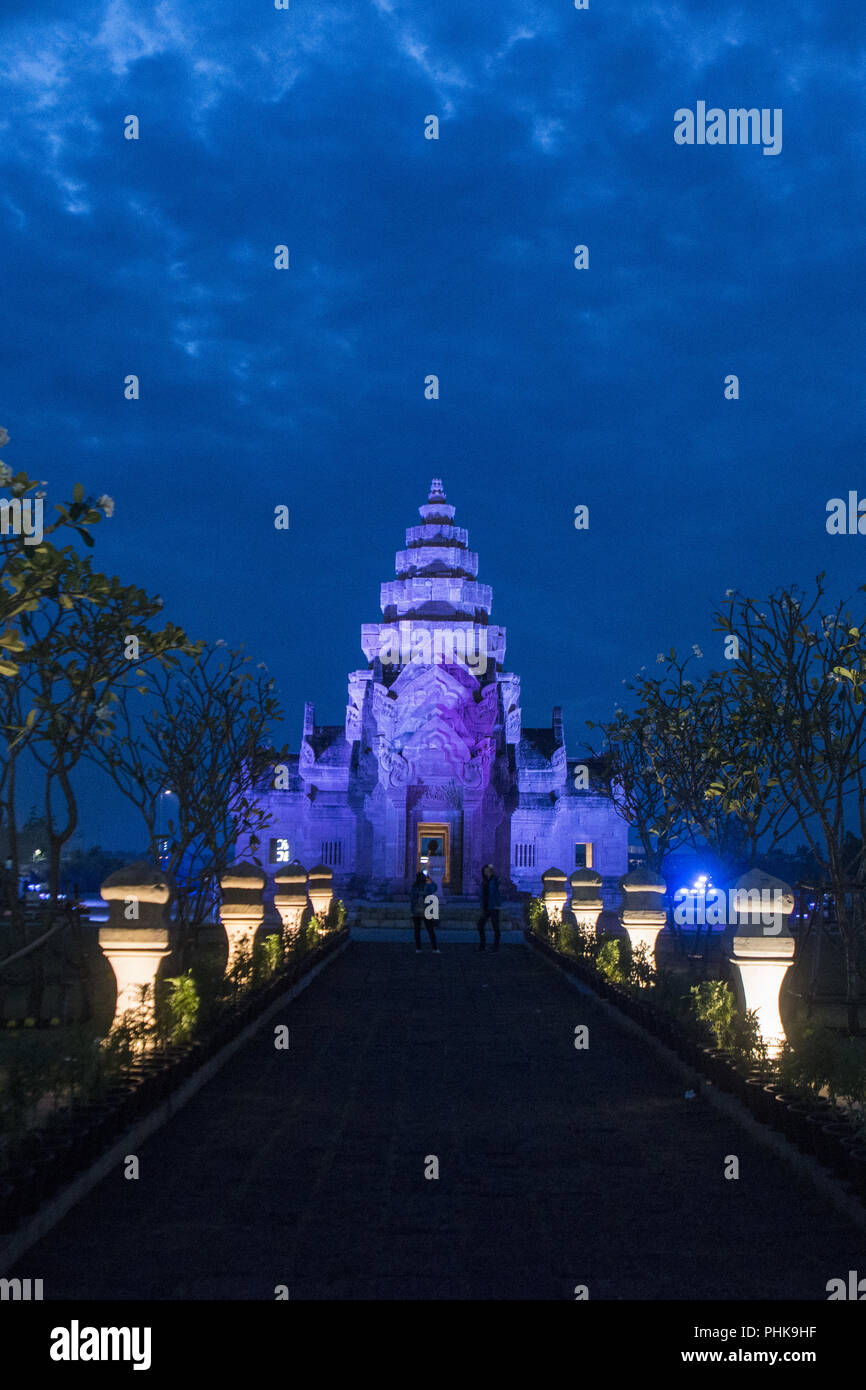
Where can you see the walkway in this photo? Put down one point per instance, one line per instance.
(557, 1167)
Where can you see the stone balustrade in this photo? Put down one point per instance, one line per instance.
(553, 893)
(641, 912)
(763, 949)
(320, 888)
(242, 909)
(290, 897)
(136, 938)
(586, 901)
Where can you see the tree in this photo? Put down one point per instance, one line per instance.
(29, 574)
(671, 759)
(634, 774)
(28, 571)
(720, 748)
(199, 729)
(81, 642)
(802, 731)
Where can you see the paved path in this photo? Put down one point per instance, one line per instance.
(557, 1167)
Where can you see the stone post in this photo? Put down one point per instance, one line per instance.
(641, 912)
(290, 897)
(554, 894)
(136, 937)
(242, 910)
(764, 949)
(321, 887)
(586, 901)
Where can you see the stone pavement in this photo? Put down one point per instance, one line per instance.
(557, 1167)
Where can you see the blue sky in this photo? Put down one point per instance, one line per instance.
(454, 257)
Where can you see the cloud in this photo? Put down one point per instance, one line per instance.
(305, 126)
(126, 36)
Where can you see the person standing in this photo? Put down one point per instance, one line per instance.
(421, 890)
(490, 905)
(436, 864)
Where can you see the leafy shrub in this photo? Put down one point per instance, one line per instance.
(239, 976)
(814, 1058)
(569, 938)
(607, 960)
(745, 1041)
(273, 948)
(536, 912)
(713, 1005)
(183, 1006)
(267, 956)
(336, 915)
(641, 967)
(587, 943)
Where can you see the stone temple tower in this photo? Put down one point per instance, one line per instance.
(431, 704)
(433, 759)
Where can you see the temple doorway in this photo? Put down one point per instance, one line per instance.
(433, 849)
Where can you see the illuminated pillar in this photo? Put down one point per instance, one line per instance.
(763, 948)
(641, 912)
(136, 938)
(242, 909)
(586, 902)
(554, 894)
(321, 888)
(290, 897)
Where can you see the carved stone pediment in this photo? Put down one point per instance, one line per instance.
(437, 726)
(442, 684)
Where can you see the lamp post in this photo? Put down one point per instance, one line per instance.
(242, 910)
(554, 894)
(586, 899)
(136, 937)
(641, 913)
(163, 826)
(290, 897)
(763, 950)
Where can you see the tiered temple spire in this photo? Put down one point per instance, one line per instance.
(436, 572)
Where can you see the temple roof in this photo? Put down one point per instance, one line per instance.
(537, 747)
(328, 742)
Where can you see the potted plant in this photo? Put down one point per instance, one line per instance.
(833, 1141)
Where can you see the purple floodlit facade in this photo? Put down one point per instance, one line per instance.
(433, 758)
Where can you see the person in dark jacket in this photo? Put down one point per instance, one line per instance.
(421, 890)
(490, 905)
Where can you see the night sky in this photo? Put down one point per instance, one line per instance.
(411, 256)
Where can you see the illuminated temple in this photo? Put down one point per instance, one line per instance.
(433, 757)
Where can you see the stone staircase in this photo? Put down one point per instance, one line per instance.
(391, 921)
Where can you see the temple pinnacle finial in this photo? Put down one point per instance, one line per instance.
(437, 491)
